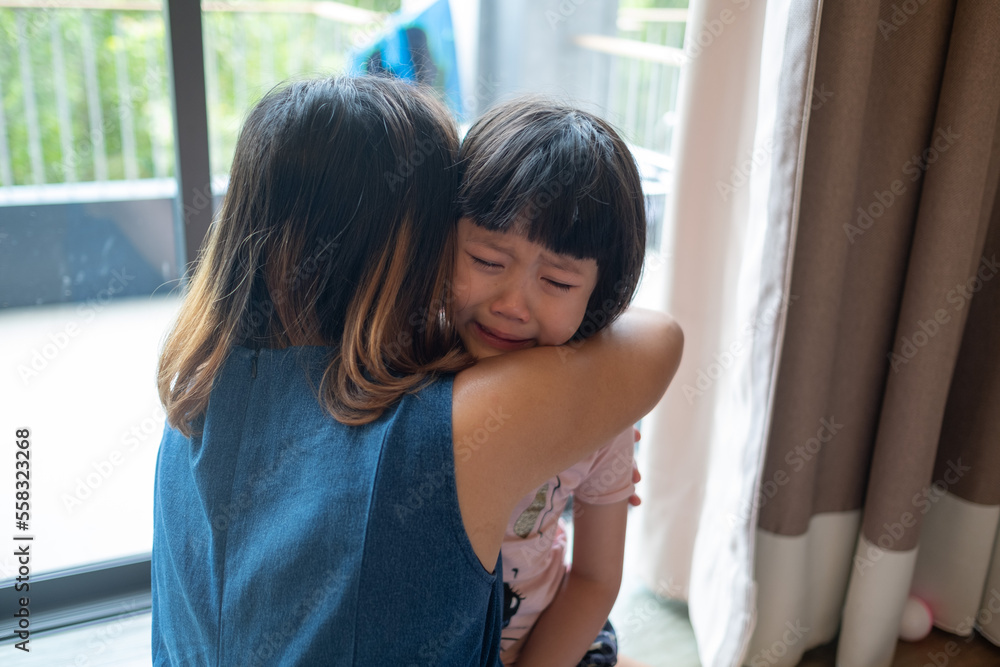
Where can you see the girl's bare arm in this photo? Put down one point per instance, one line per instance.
(569, 625)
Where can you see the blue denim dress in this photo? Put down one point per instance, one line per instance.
(282, 537)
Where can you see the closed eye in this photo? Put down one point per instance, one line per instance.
(484, 263)
(561, 286)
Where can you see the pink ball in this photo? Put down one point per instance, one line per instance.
(917, 620)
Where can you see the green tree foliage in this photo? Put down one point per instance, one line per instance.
(246, 54)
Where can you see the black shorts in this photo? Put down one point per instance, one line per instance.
(604, 651)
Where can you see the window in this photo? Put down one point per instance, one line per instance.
(91, 254)
(92, 250)
(87, 260)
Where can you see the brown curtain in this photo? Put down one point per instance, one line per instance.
(882, 469)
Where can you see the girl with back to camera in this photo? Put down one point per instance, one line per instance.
(550, 247)
(309, 506)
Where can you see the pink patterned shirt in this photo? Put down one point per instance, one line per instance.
(534, 546)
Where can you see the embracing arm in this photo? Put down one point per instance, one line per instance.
(525, 416)
(522, 417)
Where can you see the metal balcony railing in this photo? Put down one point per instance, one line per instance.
(83, 88)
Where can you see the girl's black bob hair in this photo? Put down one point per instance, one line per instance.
(565, 179)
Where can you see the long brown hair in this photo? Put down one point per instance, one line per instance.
(337, 230)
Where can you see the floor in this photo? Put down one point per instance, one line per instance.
(938, 649)
(122, 642)
(655, 632)
(650, 630)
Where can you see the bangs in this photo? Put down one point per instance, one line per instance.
(548, 182)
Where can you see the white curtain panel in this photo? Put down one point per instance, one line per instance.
(745, 96)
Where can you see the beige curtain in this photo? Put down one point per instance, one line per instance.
(838, 446)
(745, 95)
(887, 405)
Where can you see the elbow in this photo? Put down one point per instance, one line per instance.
(674, 338)
(668, 356)
(655, 346)
(609, 592)
(602, 588)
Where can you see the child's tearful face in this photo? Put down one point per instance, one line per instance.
(512, 293)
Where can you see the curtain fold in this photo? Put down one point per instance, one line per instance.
(707, 216)
(885, 399)
(738, 167)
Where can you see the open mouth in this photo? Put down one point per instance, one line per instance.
(499, 341)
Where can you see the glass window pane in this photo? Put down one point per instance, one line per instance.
(251, 48)
(88, 257)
